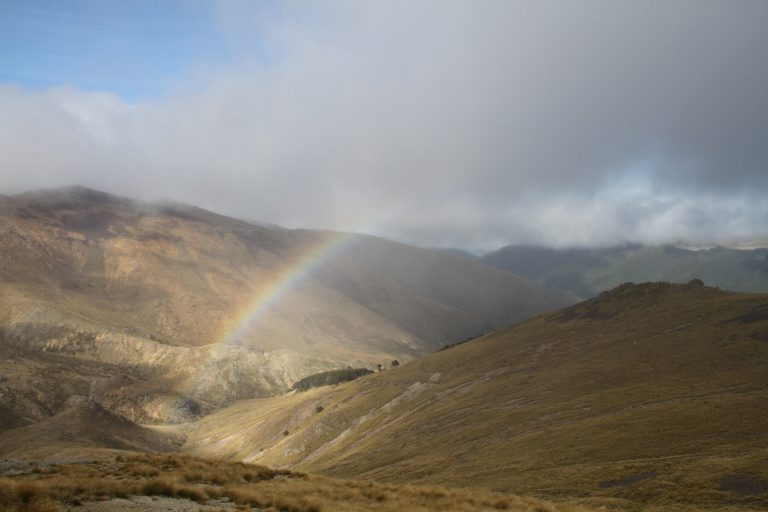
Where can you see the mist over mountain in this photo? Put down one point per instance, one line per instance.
(132, 327)
(163, 311)
(412, 255)
(430, 122)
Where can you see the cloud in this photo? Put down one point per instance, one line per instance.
(447, 123)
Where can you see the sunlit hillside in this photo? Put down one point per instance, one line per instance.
(651, 393)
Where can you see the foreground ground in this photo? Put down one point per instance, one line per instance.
(179, 483)
(649, 397)
(111, 481)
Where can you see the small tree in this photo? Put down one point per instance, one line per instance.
(379, 367)
(395, 363)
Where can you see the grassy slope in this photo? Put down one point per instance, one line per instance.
(191, 483)
(82, 429)
(649, 394)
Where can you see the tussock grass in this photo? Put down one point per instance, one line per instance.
(142, 470)
(59, 487)
(651, 395)
(43, 504)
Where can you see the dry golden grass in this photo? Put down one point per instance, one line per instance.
(59, 487)
(652, 395)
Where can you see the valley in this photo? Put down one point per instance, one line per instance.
(165, 311)
(145, 348)
(383, 256)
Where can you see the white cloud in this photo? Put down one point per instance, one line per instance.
(443, 123)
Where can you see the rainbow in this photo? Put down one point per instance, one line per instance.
(292, 274)
(314, 254)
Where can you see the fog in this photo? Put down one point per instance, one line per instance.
(444, 123)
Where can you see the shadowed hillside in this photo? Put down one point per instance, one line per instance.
(163, 311)
(83, 427)
(652, 393)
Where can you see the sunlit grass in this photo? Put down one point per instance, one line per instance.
(59, 487)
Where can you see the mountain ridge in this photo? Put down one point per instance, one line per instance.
(586, 272)
(199, 309)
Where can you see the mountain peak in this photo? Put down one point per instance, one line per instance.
(630, 291)
(625, 297)
(74, 193)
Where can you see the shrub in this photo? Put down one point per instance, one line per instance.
(142, 470)
(159, 487)
(330, 378)
(26, 491)
(40, 504)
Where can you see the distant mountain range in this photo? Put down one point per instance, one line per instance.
(162, 312)
(587, 272)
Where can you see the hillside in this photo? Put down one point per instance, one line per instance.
(587, 272)
(84, 427)
(151, 482)
(649, 394)
(165, 311)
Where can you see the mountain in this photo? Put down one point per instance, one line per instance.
(162, 312)
(83, 426)
(587, 272)
(650, 396)
(461, 253)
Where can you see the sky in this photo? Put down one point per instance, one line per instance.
(470, 124)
